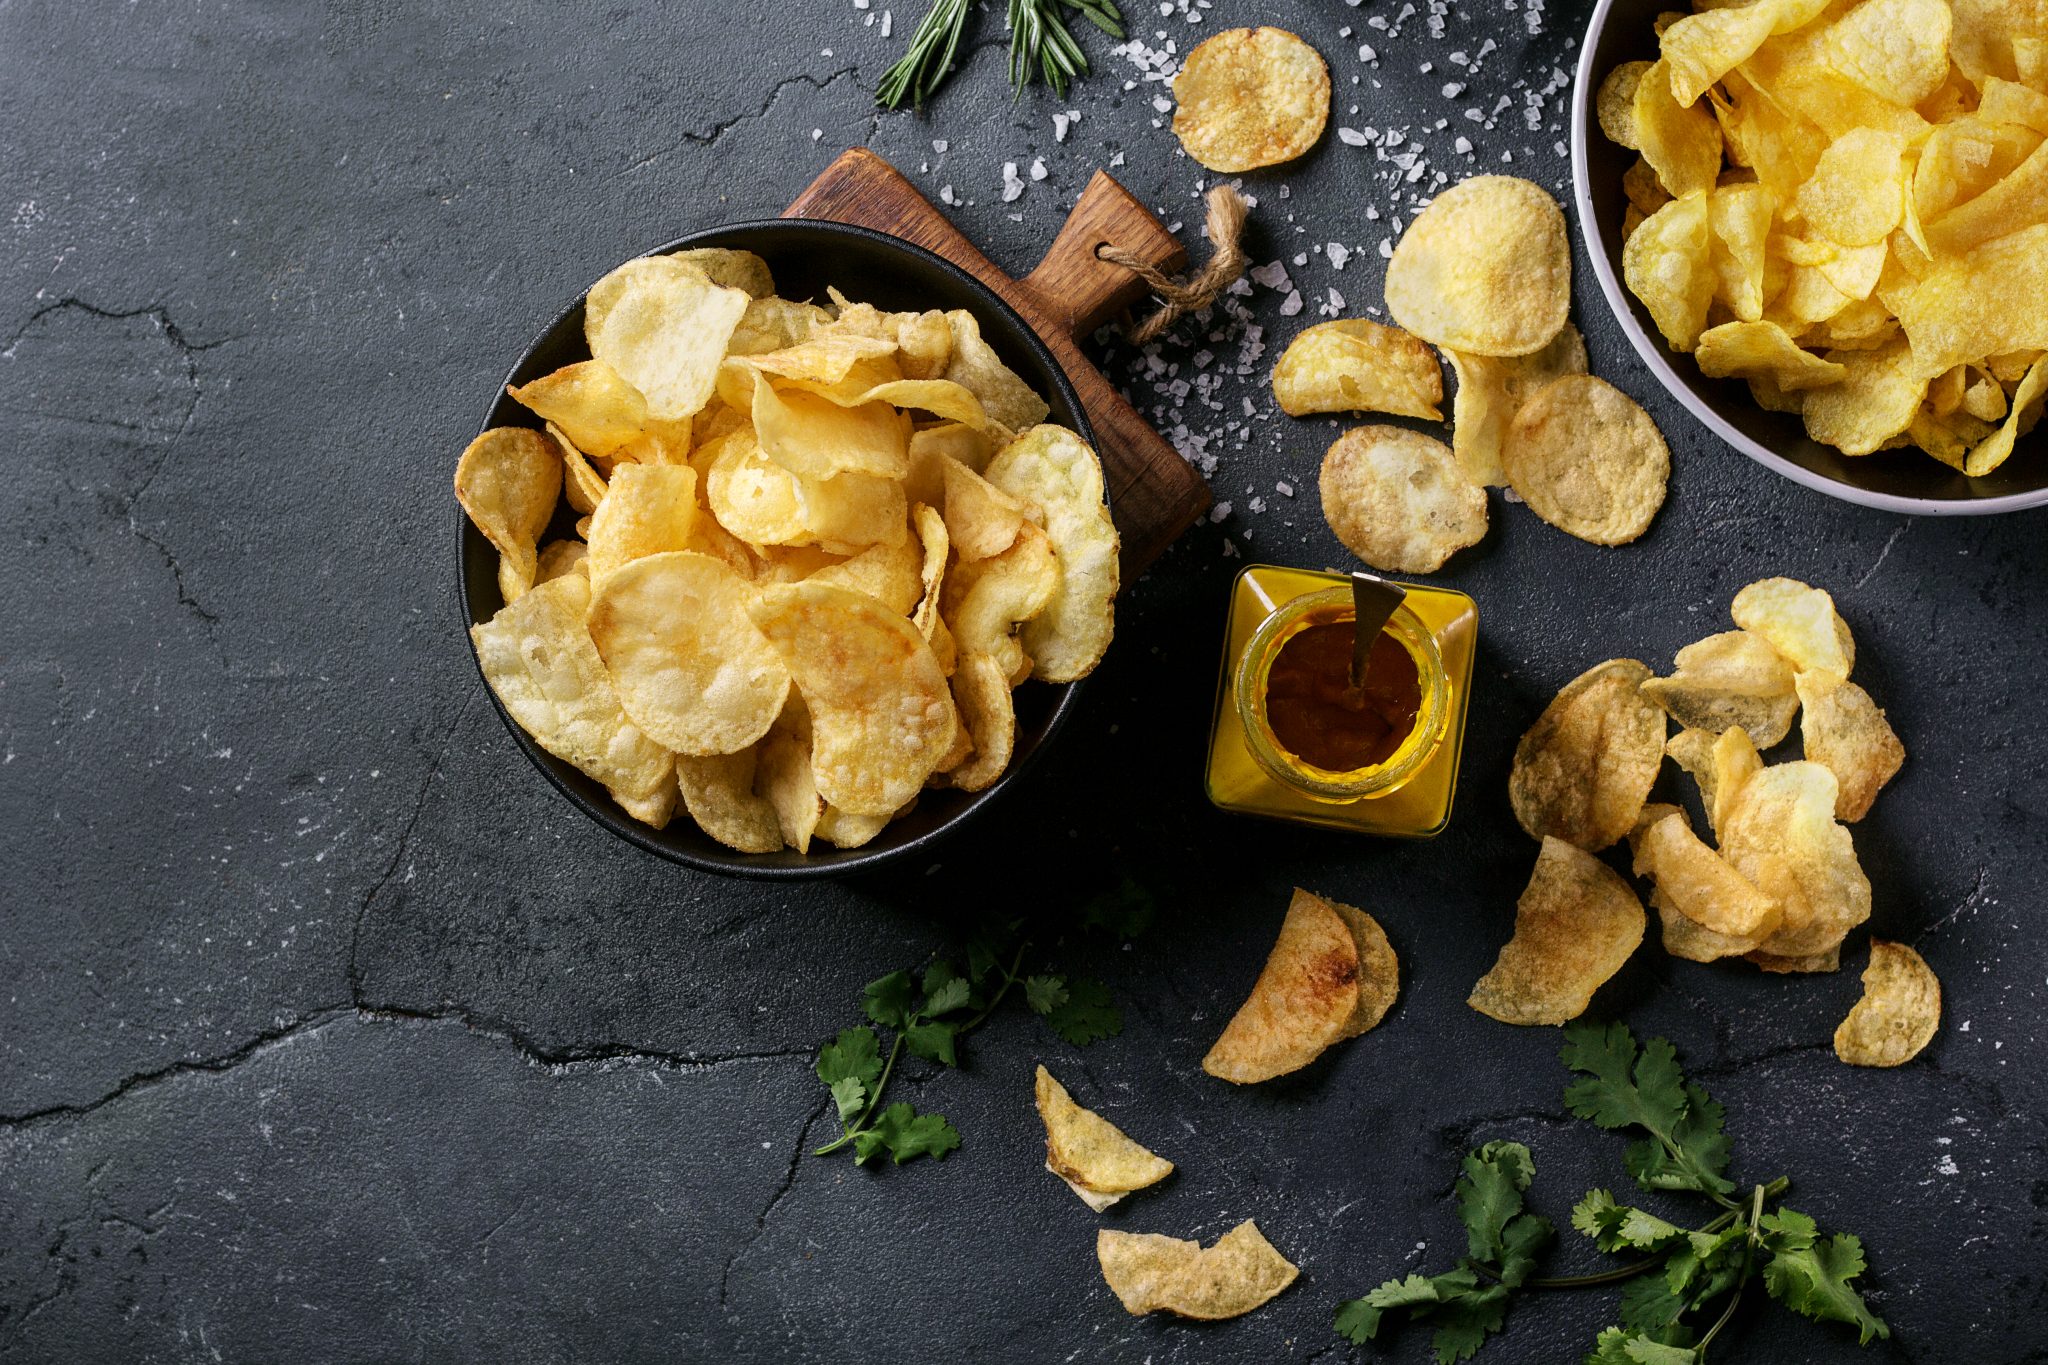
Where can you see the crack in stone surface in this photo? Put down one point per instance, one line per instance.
(711, 137)
(781, 1191)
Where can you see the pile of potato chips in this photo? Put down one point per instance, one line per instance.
(1846, 205)
(818, 548)
(1780, 886)
(1250, 97)
(1483, 274)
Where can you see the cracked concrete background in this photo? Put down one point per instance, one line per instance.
(331, 1032)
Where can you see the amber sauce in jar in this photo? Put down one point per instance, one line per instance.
(1320, 718)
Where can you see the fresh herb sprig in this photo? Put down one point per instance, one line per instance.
(1040, 45)
(1685, 1284)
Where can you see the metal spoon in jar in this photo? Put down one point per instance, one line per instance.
(1373, 601)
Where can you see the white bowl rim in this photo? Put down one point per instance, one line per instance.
(1654, 355)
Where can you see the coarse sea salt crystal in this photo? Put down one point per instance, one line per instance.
(1013, 188)
(1038, 171)
(1351, 137)
(1059, 127)
(1272, 274)
(1284, 489)
(1219, 512)
(1338, 254)
(888, 21)
(1291, 304)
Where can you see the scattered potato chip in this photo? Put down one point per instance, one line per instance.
(1090, 1153)
(663, 326)
(1575, 925)
(1614, 105)
(1584, 770)
(1492, 389)
(1760, 350)
(1352, 365)
(1330, 976)
(1250, 97)
(647, 509)
(1845, 732)
(1693, 751)
(1398, 499)
(1730, 679)
(1149, 1272)
(1379, 970)
(1798, 621)
(507, 482)
(1700, 885)
(1054, 469)
(1681, 141)
(1485, 269)
(1781, 835)
(1588, 460)
(1668, 263)
(881, 714)
(1899, 1012)
(1688, 939)
(596, 409)
(718, 792)
(1735, 761)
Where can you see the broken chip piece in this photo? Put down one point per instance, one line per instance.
(1899, 1012)
(1151, 1273)
(1089, 1152)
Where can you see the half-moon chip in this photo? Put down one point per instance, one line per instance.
(1733, 678)
(981, 691)
(1899, 1012)
(1701, 886)
(507, 481)
(1584, 770)
(1485, 269)
(1668, 263)
(1150, 1273)
(1798, 621)
(718, 791)
(1329, 976)
(647, 509)
(1845, 732)
(1588, 460)
(1094, 1156)
(1399, 500)
(1575, 925)
(1352, 365)
(594, 407)
(1492, 389)
(1250, 97)
(1054, 469)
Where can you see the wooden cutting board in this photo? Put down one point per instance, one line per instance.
(1154, 494)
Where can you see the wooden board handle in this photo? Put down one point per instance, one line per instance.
(1077, 287)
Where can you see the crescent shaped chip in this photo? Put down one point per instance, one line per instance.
(1899, 1012)
(1331, 975)
(690, 667)
(1798, 621)
(881, 714)
(1584, 770)
(981, 519)
(1575, 925)
(596, 409)
(984, 601)
(1588, 460)
(815, 438)
(1150, 1273)
(1700, 885)
(1485, 269)
(647, 509)
(783, 775)
(1090, 1153)
(1399, 500)
(1780, 833)
(981, 691)
(1352, 365)
(1614, 104)
(718, 792)
(1250, 97)
(1054, 470)
(507, 482)
(1844, 731)
(663, 326)
(1730, 679)
(731, 268)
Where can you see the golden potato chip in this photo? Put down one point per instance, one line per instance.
(558, 557)
(1352, 365)
(924, 343)
(931, 447)
(1681, 141)
(1250, 97)
(689, 665)
(974, 366)
(1962, 159)
(1828, 961)
(936, 545)
(849, 512)
(1379, 970)
(1857, 194)
(1739, 217)
(1781, 835)
(754, 498)
(1088, 1151)
(981, 691)
(654, 809)
(1398, 499)
(663, 325)
(1575, 925)
(2025, 410)
(983, 601)
(981, 519)
(1763, 350)
(647, 509)
(1587, 460)
(1054, 470)
(718, 792)
(582, 485)
(1306, 998)
(881, 715)
(844, 830)
(1990, 36)
(1693, 751)
(507, 481)
(1899, 1012)
(1485, 269)
(773, 324)
(2010, 102)
(1492, 389)
(1798, 621)
(1964, 308)
(1584, 770)
(2019, 199)
(1688, 939)
(1614, 105)
(1845, 732)
(1646, 193)
(1149, 1272)
(783, 775)
(731, 268)
(539, 660)
(1896, 49)
(596, 409)
(1647, 821)
(1984, 399)
(814, 438)
(1733, 678)
(887, 572)
(1735, 761)
(1702, 48)
(1669, 264)
(1701, 886)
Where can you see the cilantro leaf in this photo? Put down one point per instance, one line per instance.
(1622, 1089)
(887, 999)
(1524, 1235)
(1619, 1346)
(944, 988)
(1087, 1014)
(1490, 1193)
(849, 1094)
(853, 1055)
(1359, 1319)
(1599, 1217)
(904, 1133)
(1125, 912)
(1814, 1278)
(1465, 1322)
(1650, 1301)
(933, 1041)
(1045, 993)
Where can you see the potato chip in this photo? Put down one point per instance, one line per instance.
(558, 557)
(507, 481)
(1984, 399)
(1090, 1153)
(1492, 389)
(1669, 265)
(1763, 350)
(1688, 939)
(1964, 308)
(753, 497)
(881, 714)
(690, 667)
(1587, 460)
(1646, 193)
(1896, 49)
(974, 366)
(1681, 141)
(773, 325)
(2010, 102)
(1307, 997)
(1584, 770)
(1693, 751)
(2025, 410)
(1780, 834)
(815, 438)
(935, 545)
(1701, 886)
(981, 519)
(842, 830)
(596, 409)
(731, 268)
(1614, 105)
(888, 572)
(1379, 970)
(663, 325)
(1799, 622)
(1857, 194)
(981, 691)
(2019, 199)
(1899, 1012)
(985, 600)
(1845, 732)
(1575, 926)
(718, 792)
(849, 512)
(1149, 1272)
(1730, 679)
(1828, 961)
(1647, 821)
(1352, 365)
(1739, 217)
(1875, 400)
(539, 660)
(647, 509)
(1054, 470)
(1735, 761)
(582, 485)
(782, 774)
(1250, 97)
(1486, 269)
(1702, 48)
(1398, 499)
(1962, 159)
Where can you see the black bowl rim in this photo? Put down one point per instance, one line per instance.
(841, 862)
(1585, 84)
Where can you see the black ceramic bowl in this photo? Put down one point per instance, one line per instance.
(892, 274)
(1904, 480)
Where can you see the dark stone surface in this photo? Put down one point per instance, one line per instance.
(330, 1032)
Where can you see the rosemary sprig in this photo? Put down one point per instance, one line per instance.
(1040, 45)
